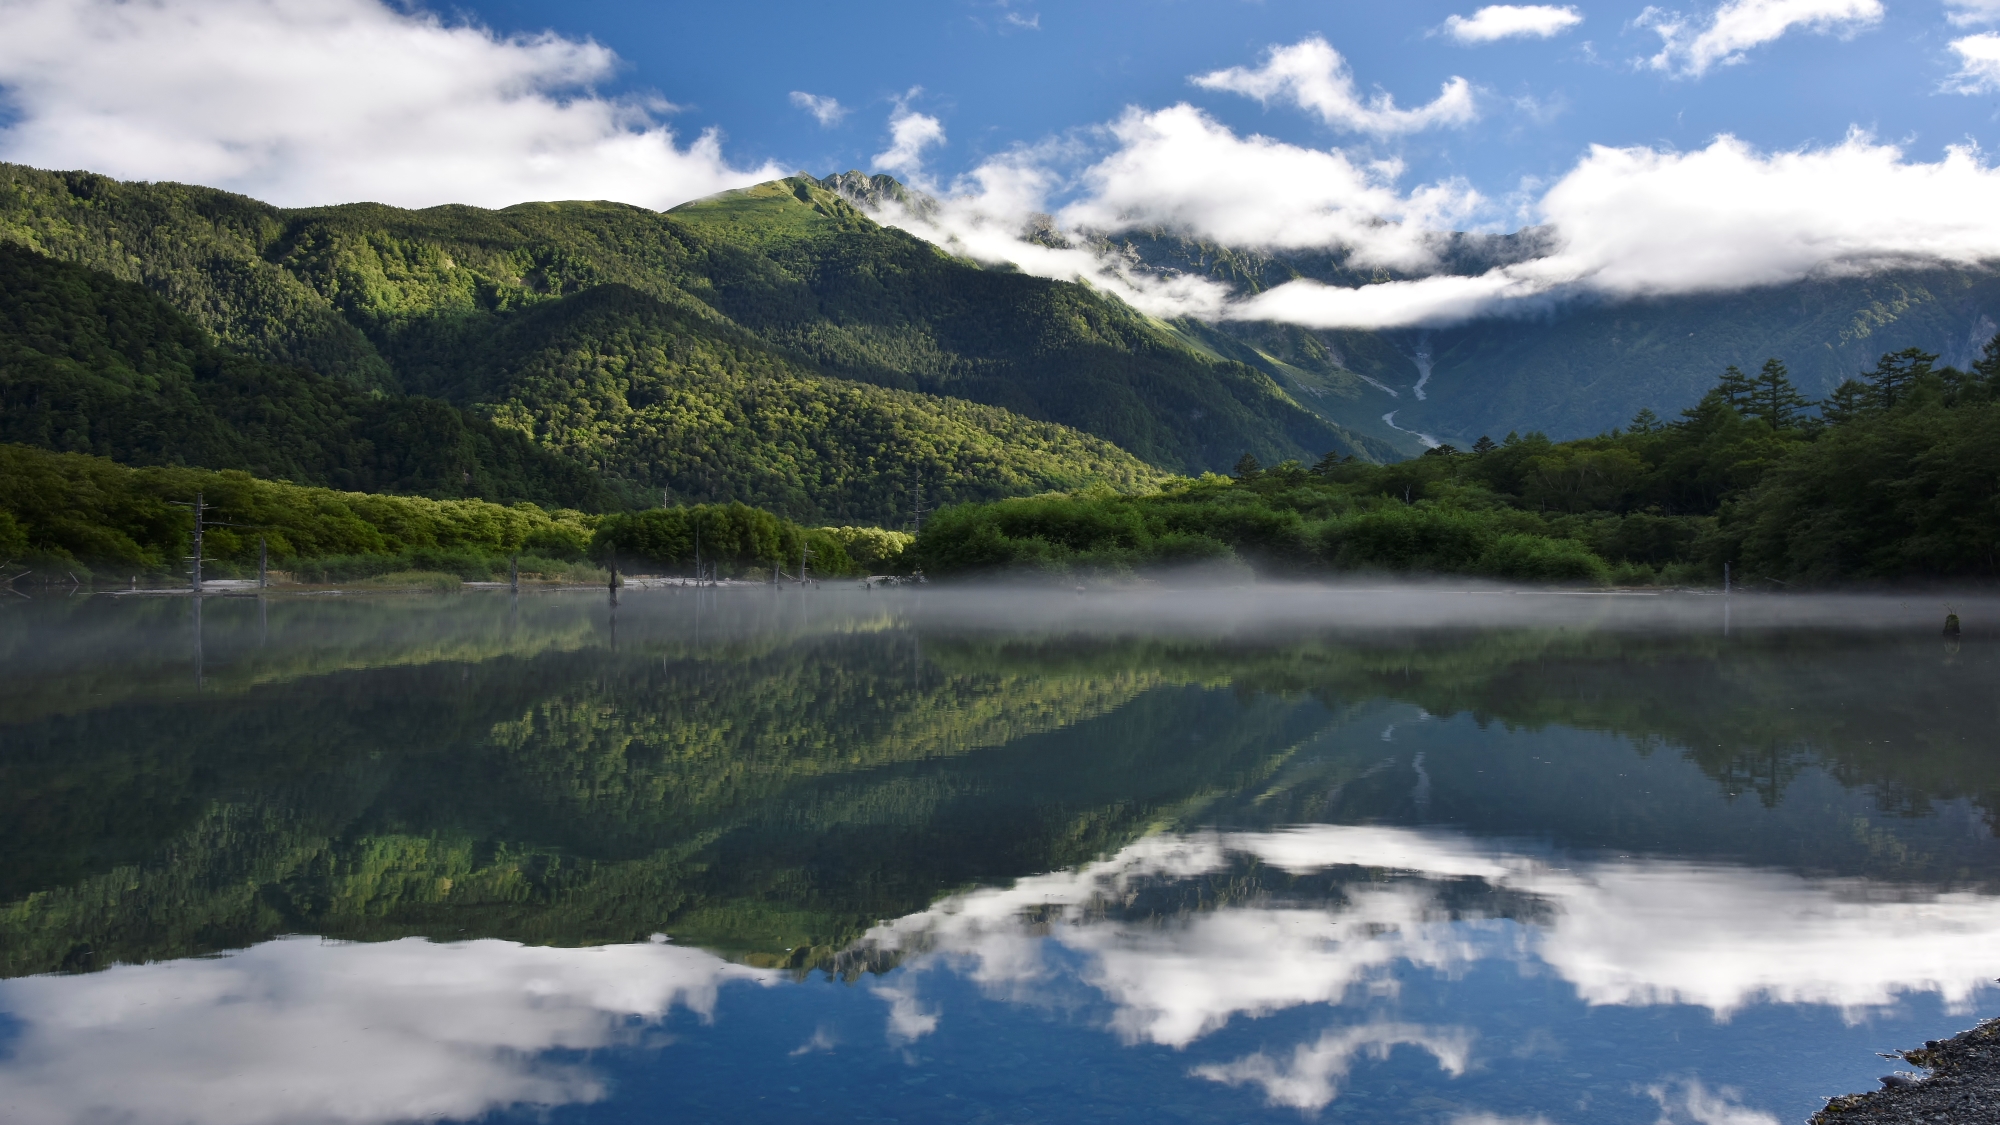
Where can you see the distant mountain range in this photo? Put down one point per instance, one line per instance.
(1583, 367)
(778, 346)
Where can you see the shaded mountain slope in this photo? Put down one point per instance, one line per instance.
(665, 400)
(885, 307)
(1584, 366)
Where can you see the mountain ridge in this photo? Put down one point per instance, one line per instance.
(1570, 368)
(383, 297)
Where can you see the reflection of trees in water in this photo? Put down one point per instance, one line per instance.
(1903, 717)
(764, 783)
(774, 801)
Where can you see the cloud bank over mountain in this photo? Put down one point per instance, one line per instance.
(329, 101)
(1623, 222)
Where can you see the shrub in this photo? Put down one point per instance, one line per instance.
(1534, 558)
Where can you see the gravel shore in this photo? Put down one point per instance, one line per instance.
(1963, 1087)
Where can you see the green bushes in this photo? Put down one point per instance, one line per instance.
(735, 538)
(1404, 538)
(1092, 531)
(1534, 558)
(1258, 522)
(466, 565)
(873, 549)
(69, 511)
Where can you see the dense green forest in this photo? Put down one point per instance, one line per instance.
(90, 364)
(71, 514)
(772, 346)
(1889, 478)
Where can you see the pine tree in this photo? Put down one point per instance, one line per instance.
(1849, 401)
(1895, 372)
(1248, 468)
(1735, 387)
(1486, 444)
(1644, 422)
(1773, 397)
(1987, 366)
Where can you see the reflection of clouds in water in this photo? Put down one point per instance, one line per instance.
(1690, 1101)
(1628, 932)
(908, 1020)
(1311, 1077)
(1679, 933)
(300, 1030)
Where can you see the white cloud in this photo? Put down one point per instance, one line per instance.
(1690, 1101)
(1509, 21)
(1623, 223)
(1315, 78)
(1621, 932)
(826, 110)
(910, 133)
(908, 1020)
(300, 1030)
(1690, 48)
(1180, 168)
(326, 101)
(1979, 64)
(1026, 23)
(1310, 1078)
(1966, 13)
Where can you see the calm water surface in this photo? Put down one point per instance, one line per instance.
(918, 857)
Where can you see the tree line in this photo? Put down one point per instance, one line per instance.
(74, 515)
(1891, 476)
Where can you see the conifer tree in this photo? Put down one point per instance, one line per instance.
(1895, 372)
(1484, 445)
(1773, 397)
(1644, 422)
(1248, 468)
(1849, 401)
(1735, 387)
(1987, 366)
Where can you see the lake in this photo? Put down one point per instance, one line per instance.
(934, 855)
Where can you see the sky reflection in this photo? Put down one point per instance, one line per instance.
(302, 1030)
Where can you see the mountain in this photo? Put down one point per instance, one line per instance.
(772, 345)
(1577, 368)
(91, 364)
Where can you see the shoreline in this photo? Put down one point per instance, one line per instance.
(1963, 1087)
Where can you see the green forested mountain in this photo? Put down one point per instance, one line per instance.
(90, 364)
(888, 308)
(772, 345)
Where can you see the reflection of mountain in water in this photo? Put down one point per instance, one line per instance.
(773, 775)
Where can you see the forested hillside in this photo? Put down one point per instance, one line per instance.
(90, 364)
(1890, 477)
(774, 346)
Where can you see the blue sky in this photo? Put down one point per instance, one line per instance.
(1714, 147)
(993, 83)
